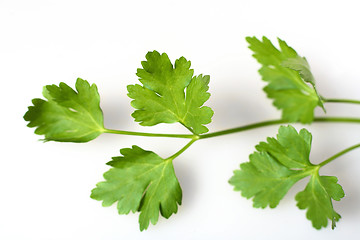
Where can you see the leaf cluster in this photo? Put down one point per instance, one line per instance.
(277, 165)
(141, 181)
(287, 75)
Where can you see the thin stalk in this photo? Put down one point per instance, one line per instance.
(242, 128)
(182, 149)
(231, 130)
(335, 100)
(337, 119)
(148, 134)
(274, 122)
(339, 154)
(187, 128)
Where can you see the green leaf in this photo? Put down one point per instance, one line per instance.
(292, 149)
(67, 115)
(287, 75)
(265, 179)
(170, 94)
(140, 181)
(317, 199)
(277, 165)
(301, 65)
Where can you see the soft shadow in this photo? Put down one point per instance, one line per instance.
(187, 180)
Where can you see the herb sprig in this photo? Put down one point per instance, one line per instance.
(141, 181)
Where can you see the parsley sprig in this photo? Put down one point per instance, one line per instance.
(141, 181)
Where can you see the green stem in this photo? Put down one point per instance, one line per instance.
(335, 100)
(274, 122)
(187, 128)
(183, 149)
(337, 119)
(148, 134)
(339, 154)
(231, 130)
(242, 128)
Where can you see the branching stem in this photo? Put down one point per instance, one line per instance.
(194, 137)
(183, 149)
(231, 130)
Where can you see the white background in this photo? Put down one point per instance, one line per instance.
(45, 188)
